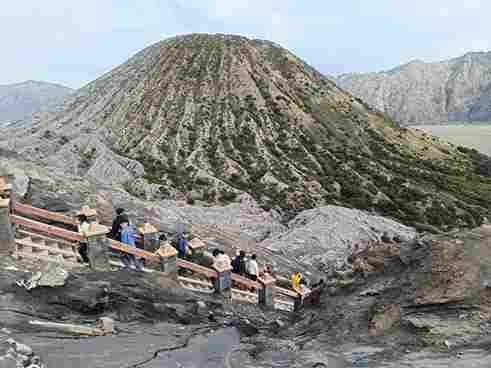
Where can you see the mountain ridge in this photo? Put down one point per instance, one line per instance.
(20, 101)
(428, 92)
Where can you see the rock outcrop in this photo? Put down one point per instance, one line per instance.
(442, 289)
(429, 93)
(205, 118)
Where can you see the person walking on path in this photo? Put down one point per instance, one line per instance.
(128, 237)
(116, 226)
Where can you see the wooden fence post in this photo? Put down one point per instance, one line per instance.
(97, 247)
(267, 291)
(150, 235)
(298, 302)
(168, 260)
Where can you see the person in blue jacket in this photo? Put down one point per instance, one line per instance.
(128, 236)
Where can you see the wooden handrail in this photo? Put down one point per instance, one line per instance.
(245, 281)
(47, 229)
(125, 248)
(25, 209)
(196, 268)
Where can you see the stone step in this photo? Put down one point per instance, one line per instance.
(41, 248)
(54, 242)
(245, 296)
(196, 285)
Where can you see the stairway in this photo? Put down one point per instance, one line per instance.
(37, 247)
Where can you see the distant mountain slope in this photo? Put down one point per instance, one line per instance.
(453, 90)
(19, 101)
(206, 117)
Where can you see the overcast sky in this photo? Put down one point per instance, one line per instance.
(73, 42)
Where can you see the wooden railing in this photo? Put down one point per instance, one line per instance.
(27, 210)
(46, 229)
(245, 282)
(208, 272)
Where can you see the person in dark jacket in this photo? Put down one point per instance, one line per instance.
(116, 227)
(239, 264)
(181, 245)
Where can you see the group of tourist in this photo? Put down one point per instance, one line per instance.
(121, 230)
(240, 264)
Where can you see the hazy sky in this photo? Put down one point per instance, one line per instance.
(73, 42)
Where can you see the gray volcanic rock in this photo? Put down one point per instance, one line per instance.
(206, 118)
(19, 101)
(328, 234)
(418, 92)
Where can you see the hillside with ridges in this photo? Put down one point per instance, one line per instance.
(205, 117)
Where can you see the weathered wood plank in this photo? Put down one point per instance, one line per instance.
(75, 329)
(27, 210)
(47, 229)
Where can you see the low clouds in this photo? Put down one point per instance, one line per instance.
(73, 42)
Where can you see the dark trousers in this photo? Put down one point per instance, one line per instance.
(131, 260)
(83, 251)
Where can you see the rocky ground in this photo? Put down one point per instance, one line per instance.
(421, 303)
(400, 301)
